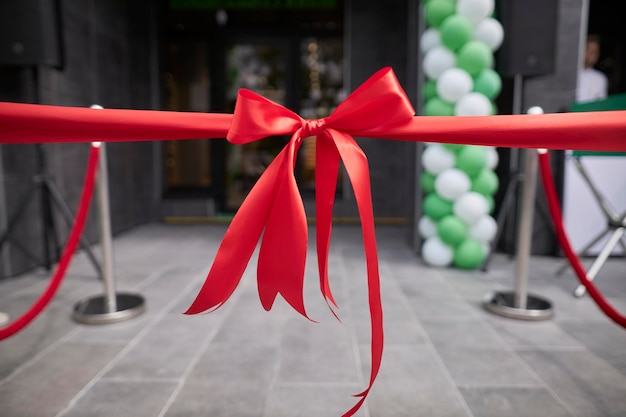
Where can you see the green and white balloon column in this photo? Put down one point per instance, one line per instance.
(459, 180)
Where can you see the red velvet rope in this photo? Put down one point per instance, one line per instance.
(68, 253)
(555, 213)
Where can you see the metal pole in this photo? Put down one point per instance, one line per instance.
(518, 304)
(110, 307)
(105, 231)
(525, 229)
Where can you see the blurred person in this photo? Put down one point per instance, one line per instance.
(592, 84)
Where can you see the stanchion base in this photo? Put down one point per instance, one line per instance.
(93, 310)
(503, 304)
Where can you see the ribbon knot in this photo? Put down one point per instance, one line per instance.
(274, 209)
(312, 127)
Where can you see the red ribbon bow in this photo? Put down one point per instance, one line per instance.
(274, 207)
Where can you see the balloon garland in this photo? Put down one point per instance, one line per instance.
(458, 181)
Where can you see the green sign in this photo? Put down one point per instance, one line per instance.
(252, 4)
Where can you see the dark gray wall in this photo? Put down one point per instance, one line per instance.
(555, 93)
(377, 34)
(109, 60)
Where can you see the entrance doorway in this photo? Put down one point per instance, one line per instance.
(295, 62)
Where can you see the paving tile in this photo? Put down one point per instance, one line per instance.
(512, 402)
(520, 333)
(416, 365)
(296, 400)
(54, 324)
(604, 338)
(166, 350)
(444, 304)
(585, 382)
(46, 386)
(412, 382)
(470, 333)
(248, 322)
(485, 367)
(123, 398)
(319, 352)
(220, 399)
(400, 324)
(408, 400)
(235, 362)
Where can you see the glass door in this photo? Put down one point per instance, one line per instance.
(304, 74)
(260, 66)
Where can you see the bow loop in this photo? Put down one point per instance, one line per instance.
(374, 108)
(256, 117)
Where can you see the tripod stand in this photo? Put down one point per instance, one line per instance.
(50, 197)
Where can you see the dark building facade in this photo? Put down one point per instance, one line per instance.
(192, 56)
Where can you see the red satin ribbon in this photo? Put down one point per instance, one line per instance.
(377, 109)
(274, 207)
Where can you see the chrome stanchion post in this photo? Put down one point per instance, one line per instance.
(111, 306)
(104, 217)
(519, 304)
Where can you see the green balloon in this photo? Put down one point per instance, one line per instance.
(428, 182)
(471, 160)
(485, 183)
(436, 207)
(488, 83)
(456, 31)
(452, 230)
(474, 57)
(469, 254)
(437, 107)
(437, 11)
(430, 89)
(453, 147)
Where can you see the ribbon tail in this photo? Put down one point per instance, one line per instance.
(326, 173)
(357, 168)
(282, 255)
(239, 242)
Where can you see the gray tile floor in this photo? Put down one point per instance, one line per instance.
(444, 354)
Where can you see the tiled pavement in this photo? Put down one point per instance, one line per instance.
(444, 354)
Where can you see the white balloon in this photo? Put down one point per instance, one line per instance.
(437, 253)
(473, 104)
(437, 60)
(426, 227)
(453, 84)
(489, 31)
(475, 10)
(486, 248)
(436, 159)
(492, 157)
(470, 207)
(484, 230)
(452, 183)
(430, 38)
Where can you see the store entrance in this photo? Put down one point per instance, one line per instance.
(298, 65)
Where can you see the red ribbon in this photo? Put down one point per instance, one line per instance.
(274, 207)
(377, 109)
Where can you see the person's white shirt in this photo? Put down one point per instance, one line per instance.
(592, 85)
